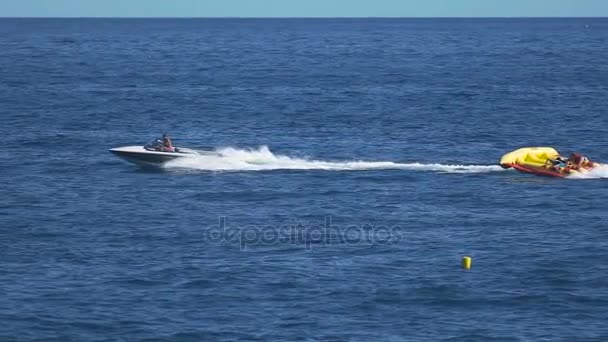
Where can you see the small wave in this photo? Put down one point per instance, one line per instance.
(596, 173)
(233, 159)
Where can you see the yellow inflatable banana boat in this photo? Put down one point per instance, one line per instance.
(546, 161)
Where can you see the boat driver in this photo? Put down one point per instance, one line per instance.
(167, 144)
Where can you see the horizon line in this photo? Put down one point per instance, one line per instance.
(317, 17)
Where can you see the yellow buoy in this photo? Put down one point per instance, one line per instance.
(466, 262)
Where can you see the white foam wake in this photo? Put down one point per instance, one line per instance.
(598, 172)
(232, 159)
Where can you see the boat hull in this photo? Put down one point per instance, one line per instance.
(140, 156)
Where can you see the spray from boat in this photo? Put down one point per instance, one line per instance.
(261, 159)
(596, 173)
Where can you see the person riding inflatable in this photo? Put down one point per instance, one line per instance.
(578, 161)
(557, 164)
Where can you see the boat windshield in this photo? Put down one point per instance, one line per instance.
(154, 145)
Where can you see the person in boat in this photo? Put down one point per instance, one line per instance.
(167, 144)
(578, 161)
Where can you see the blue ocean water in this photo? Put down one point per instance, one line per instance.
(359, 167)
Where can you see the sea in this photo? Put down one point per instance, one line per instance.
(358, 164)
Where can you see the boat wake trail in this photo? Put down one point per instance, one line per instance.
(598, 172)
(232, 159)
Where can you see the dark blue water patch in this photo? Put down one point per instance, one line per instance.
(94, 248)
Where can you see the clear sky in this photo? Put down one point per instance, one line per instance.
(303, 8)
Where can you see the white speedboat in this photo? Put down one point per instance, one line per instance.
(152, 154)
